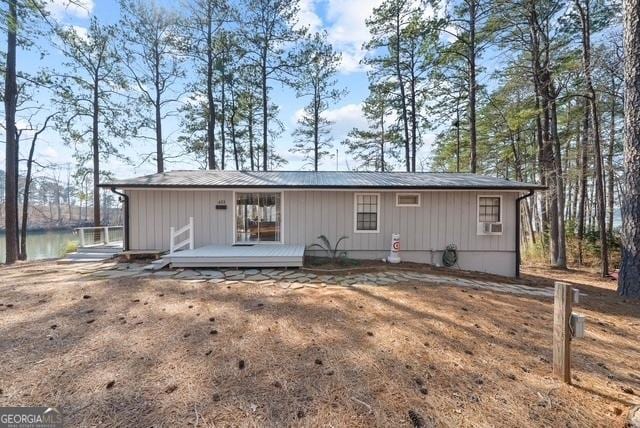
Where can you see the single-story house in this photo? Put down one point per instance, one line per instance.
(249, 216)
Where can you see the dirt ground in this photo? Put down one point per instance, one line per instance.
(170, 352)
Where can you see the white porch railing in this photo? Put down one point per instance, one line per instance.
(173, 234)
(101, 235)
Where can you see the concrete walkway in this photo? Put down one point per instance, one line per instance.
(297, 278)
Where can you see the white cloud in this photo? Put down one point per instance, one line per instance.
(81, 32)
(50, 153)
(345, 25)
(71, 8)
(344, 119)
(307, 16)
(347, 28)
(348, 31)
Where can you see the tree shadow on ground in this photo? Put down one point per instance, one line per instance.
(343, 356)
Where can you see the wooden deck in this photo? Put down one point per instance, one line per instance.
(258, 255)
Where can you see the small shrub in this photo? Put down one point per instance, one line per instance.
(71, 247)
(538, 253)
(332, 252)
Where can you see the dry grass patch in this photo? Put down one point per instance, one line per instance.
(165, 352)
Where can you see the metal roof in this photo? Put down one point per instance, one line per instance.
(318, 180)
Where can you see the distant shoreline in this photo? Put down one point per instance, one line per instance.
(46, 229)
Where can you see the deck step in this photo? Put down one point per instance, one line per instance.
(157, 264)
(217, 256)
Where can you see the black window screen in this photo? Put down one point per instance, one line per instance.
(489, 210)
(367, 212)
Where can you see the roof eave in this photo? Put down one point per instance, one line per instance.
(316, 187)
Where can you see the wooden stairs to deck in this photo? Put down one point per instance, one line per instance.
(93, 253)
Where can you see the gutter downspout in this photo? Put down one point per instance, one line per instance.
(518, 230)
(125, 199)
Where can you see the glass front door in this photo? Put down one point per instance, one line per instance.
(258, 217)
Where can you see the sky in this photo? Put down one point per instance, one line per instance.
(344, 22)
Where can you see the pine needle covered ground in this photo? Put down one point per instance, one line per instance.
(171, 352)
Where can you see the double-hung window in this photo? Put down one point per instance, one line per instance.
(489, 215)
(367, 213)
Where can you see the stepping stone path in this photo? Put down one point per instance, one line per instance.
(294, 279)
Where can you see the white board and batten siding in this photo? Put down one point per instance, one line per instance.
(443, 218)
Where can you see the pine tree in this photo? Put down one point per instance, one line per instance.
(316, 79)
(378, 147)
(148, 48)
(92, 113)
(268, 30)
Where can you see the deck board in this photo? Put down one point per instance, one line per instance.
(260, 255)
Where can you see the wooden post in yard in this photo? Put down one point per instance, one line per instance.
(561, 332)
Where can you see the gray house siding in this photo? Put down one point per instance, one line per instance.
(443, 217)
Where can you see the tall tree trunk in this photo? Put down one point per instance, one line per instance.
(95, 144)
(472, 85)
(629, 278)
(232, 122)
(403, 99)
(414, 123)
(11, 170)
(576, 184)
(316, 129)
(223, 113)
(382, 164)
(265, 117)
(561, 259)
(159, 148)
(544, 214)
(585, 19)
(458, 134)
(610, 170)
(552, 193)
(211, 105)
(250, 130)
(584, 159)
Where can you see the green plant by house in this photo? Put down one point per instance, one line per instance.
(332, 252)
(71, 247)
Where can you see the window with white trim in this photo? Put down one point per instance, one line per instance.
(489, 215)
(367, 209)
(407, 199)
(489, 209)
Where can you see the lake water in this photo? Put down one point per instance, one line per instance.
(43, 245)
